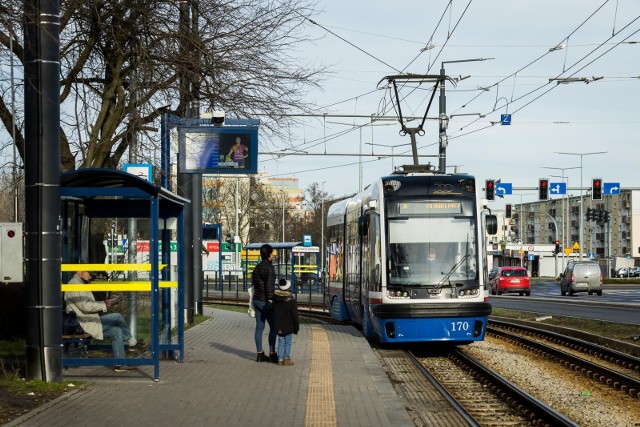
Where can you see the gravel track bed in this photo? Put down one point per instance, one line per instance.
(583, 400)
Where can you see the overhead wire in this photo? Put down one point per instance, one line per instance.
(606, 42)
(308, 145)
(387, 108)
(542, 94)
(538, 58)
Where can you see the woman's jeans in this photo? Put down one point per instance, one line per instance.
(263, 315)
(116, 329)
(284, 347)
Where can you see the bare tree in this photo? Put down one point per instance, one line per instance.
(257, 205)
(316, 200)
(123, 64)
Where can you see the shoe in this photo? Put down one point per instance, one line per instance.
(262, 357)
(140, 346)
(132, 342)
(124, 368)
(273, 357)
(287, 362)
(280, 362)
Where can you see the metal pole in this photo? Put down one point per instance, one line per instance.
(581, 236)
(235, 244)
(521, 216)
(13, 127)
(322, 227)
(42, 187)
(555, 225)
(442, 151)
(581, 209)
(359, 164)
(283, 215)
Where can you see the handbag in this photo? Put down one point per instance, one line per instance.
(251, 311)
(71, 324)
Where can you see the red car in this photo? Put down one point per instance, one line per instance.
(511, 279)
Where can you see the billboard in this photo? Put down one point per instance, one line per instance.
(218, 149)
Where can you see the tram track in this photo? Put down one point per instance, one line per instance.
(477, 395)
(613, 368)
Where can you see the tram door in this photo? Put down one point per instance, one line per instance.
(353, 263)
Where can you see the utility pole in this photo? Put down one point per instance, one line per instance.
(442, 115)
(42, 188)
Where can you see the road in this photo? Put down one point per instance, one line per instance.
(618, 303)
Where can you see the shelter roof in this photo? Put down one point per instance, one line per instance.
(110, 193)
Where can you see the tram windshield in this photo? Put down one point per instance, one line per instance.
(432, 246)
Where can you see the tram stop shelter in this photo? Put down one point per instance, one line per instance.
(297, 263)
(93, 200)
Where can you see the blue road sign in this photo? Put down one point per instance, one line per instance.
(503, 188)
(611, 188)
(557, 188)
(505, 119)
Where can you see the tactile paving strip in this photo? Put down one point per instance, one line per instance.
(321, 405)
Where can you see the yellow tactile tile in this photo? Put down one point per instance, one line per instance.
(321, 404)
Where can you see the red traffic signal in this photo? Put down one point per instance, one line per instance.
(543, 189)
(596, 189)
(508, 211)
(490, 189)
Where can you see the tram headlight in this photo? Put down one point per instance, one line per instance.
(468, 293)
(398, 293)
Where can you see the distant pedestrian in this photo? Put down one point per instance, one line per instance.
(286, 321)
(263, 280)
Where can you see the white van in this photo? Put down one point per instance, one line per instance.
(581, 276)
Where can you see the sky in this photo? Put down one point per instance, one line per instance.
(529, 43)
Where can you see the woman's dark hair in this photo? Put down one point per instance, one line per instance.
(265, 251)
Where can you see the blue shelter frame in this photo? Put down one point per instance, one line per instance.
(108, 193)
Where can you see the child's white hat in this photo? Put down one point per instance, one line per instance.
(284, 285)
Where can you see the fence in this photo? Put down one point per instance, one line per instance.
(233, 289)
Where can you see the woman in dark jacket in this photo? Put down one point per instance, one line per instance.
(263, 281)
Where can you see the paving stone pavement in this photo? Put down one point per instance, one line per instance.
(220, 384)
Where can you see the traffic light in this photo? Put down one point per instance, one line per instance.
(543, 189)
(596, 189)
(490, 189)
(557, 246)
(607, 216)
(588, 214)
(508, 211)
(600, 215)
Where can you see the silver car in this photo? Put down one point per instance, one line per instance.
(581, 276)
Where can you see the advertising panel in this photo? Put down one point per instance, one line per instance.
(212, 150)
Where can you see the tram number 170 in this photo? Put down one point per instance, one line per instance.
(460, 326)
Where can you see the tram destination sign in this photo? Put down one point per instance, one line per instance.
(415, 208)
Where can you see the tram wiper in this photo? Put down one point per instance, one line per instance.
(454, 268)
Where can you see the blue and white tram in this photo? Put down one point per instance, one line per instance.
(406, 259)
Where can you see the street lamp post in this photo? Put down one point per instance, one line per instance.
(442, 113)
(390, 146)
(565, 207)
(581, 237)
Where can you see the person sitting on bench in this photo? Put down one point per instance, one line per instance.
(94, 322)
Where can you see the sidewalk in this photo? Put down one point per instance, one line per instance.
(336, 380)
